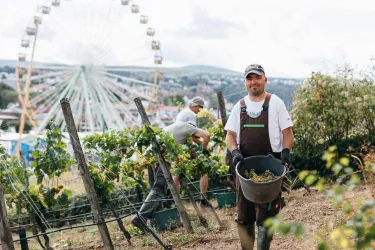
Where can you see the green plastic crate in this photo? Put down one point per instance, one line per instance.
(226, 199)
(166, 219)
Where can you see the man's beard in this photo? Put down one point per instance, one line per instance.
(257, 92)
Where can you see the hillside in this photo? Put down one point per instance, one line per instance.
(168, 71)
(298, 209)
(228, 81)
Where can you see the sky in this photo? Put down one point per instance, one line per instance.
(289, 38)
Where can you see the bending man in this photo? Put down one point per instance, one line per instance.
(181, 132)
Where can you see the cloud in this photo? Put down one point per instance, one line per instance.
(289, 38)
(206, 27)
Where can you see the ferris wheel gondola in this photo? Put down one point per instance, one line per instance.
(125, 2)
(30, 31)
(150, 32)
(56, 3)
(46, 10)
(25, 43)
(135, 8)
(144, 19)
(100, 95)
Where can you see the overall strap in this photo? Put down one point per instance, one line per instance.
(243, 105)
(266, 102)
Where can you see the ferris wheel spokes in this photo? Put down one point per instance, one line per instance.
(59, 116)
(111, 90)
(98, 100)
(129, 79)
(115, 118)
(75, 100)
(54, 89)
(52, 111)
(127, 69)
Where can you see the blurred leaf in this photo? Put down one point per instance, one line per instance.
(323, 246)
(302, 175)
(310, 179)
(344, 161)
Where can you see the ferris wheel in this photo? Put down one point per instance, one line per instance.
(101, 92)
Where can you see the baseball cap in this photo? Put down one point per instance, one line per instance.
(254, 68)
(197, 101)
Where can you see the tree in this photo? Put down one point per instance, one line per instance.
(4, 126)
(174, 100)
(7, 69)
(7, 95)
(26, 128)
(328, 109)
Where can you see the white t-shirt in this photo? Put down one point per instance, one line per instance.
(181, 131)
(186, 115)
(278, 119)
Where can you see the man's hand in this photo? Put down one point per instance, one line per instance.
(237, 157)
(285, 156)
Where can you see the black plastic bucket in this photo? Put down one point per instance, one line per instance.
(261, 192)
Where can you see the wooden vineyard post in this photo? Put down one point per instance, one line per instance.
(87, 181)
(202, 220)
(164, 167)
(5, 233)
(223, 111)
(228, 157)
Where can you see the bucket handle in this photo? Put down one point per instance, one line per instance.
(285, 165)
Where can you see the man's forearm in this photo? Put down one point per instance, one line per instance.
(206, 140)
(231, 141)
(288, 138)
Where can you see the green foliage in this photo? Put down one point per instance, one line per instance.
(277, 224)
(129, 153)
(54, 160)
(328, 109)
(14, 178)
(357, 230)
(350, 146)
(114, 150)
(4, 126)
(27, 127)
(51, 162)
(174, 100)
(205, 119)
(7, 95)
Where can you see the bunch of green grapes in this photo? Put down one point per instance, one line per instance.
(206, 113)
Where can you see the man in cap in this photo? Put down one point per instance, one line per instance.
(259, 124)
(182, 129)
(188, 115)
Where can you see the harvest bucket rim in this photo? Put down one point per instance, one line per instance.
(261, 183)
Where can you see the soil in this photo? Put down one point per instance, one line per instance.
(312, 209)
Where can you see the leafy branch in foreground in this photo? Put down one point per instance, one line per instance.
(357, 228)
